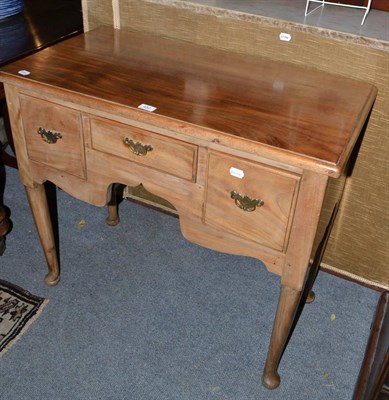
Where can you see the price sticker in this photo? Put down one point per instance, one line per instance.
(236, 172)
(147, 107)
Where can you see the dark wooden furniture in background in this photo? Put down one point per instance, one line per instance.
(380, 4)
(41, 24)
(373, 380)
(375, 4)
(5, 223)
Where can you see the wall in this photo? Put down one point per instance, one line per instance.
(359, 243)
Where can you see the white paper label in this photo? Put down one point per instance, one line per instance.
(285, 37)
(146, 107)
(24, 72)
(236, 172)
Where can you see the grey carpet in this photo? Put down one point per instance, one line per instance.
(142, 314)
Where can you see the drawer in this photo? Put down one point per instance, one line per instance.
(251, 200)
(54, 135)
(141, 146)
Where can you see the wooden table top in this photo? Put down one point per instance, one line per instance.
(311, 114)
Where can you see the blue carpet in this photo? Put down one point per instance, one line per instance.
(142, 314)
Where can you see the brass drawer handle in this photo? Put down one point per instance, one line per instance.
(137, 148)
(246, 203)
(48, 136)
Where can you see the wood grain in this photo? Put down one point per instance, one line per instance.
(268, 224)
(307, 113)
(282, 128)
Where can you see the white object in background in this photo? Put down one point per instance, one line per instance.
(323, 2)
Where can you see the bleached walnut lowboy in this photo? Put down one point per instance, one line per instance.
(245, 149)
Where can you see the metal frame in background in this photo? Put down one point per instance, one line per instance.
(323, 2)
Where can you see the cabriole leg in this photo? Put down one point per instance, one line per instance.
(40, 211)
(113, 205)
(286, 311)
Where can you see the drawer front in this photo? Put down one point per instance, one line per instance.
(135, 144)
(250, 200)
(53, 135)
